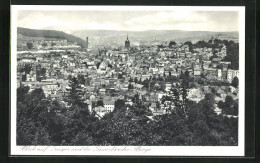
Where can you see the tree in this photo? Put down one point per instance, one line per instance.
(100, 103)
(73, 97)
(232, 54)
(213, 91)
(29, 45)
(184, 86)
(120, 76)
(130, 86)
(22, 92)
(44, 44)
(27, 68)
(189, 43)
(98, 64)
(82, 138)
(207, 106)
(235, 109)
(229, 101)
(40, 73)
(81, 79)
(202, 44)
(135, 80)
(171, 44)
(220, 66)
(120, 105)
(228, 106)
(234, 82)
(23, 77)
(32, 118)
(214, 56)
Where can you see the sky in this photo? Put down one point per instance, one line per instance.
(128, 20)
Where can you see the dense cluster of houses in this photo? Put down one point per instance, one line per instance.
(46, 44)
(112, 74)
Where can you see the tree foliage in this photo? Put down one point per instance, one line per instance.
(29, 45)
(171, 44)
(42, 121)
(27, 68)
(232, 54)
(234, 82)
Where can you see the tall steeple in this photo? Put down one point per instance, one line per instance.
(127, 43)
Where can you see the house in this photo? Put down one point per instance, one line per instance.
(231, 89)
(27, 60)
(65, 56)
(211, 73)
(219, 74)
(109, 105)
(206, 64)
(153, 106)
(195, 95)
(100, 111)
(160, 95)
(102, 91)
(129, 102)
(196, 70)
(91, 64)
(217, 110)
(138, 87)
(231, 74)
(92, 97)
(215, 61)
(103, 66)
(156, 110)
(168, 87)
(31, 77)
(144, 77)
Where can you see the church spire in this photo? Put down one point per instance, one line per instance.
(127, 42)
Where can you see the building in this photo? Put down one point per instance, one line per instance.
(107, 108)
(156, 110)
(211, 73)
(231, 74)
(212, 40)
(100, 111)
(109, 105)
(102, 91)
(219, 74)
(127, 43)
(195, 94)
(196, 70)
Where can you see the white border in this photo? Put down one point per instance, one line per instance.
(155, 150)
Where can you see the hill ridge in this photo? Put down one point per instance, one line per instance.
(50, 34)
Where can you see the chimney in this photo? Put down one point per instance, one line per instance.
(87, 42)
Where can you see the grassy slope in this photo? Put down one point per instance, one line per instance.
(48, 35)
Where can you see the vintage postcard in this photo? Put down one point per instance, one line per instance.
(127, 80)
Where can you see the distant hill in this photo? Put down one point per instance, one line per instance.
(34, 34)
(120, 36)
(176, 35)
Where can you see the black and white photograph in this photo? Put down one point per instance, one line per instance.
(127, 80)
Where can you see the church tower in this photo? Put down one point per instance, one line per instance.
(212, 40)
(127, 43)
